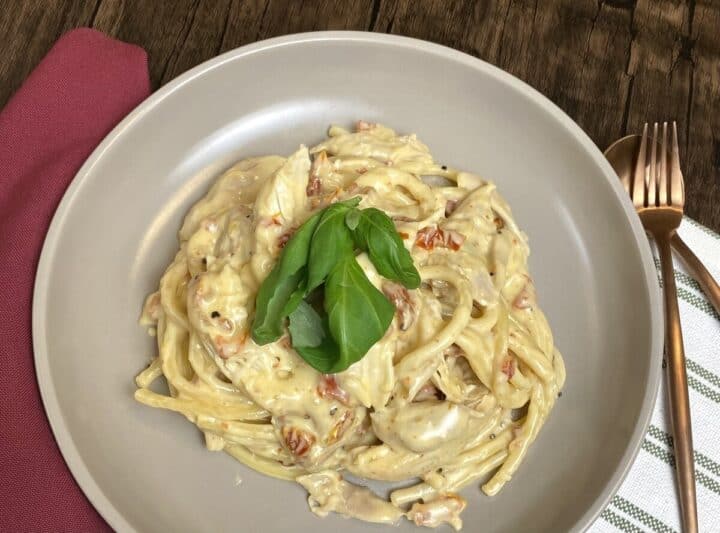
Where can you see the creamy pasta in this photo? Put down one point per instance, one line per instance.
(455, 391)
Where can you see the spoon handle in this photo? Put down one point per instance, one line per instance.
(707, 283)
(678, 390)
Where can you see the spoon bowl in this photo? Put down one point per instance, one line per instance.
(622, 155)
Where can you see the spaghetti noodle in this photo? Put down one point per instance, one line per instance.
(456, 389)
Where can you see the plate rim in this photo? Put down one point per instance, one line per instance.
(64, 439)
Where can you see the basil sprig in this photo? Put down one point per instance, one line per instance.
(320, 256)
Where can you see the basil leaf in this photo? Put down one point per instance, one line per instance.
(272, 297)
(311, 338)
(331, 241)
(306, 327)
(352, 219)
(271, 303)
(296, 297)
(376, 235)
(322, 358)
(358, 313)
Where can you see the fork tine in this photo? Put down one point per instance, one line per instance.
(652, 176)
(663, 197)
(677, 189)
(638, 184)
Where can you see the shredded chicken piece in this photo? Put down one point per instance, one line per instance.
(445, 509)
(329, 492)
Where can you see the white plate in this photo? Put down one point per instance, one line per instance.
(146, 469)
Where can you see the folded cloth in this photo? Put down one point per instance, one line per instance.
(84, 86)
(647, 499)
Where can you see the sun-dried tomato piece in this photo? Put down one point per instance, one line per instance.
(298, 441)
(328, 388)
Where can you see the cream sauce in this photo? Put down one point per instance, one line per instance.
(431, 399)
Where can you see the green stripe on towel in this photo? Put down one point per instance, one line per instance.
(641, 515)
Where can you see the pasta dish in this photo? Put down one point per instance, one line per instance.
(453, 388)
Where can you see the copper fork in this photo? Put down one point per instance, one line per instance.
(658, 194)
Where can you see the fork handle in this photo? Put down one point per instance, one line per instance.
(707, 283)
(678, 391)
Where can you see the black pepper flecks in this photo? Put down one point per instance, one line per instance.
(214, 314)
(444, 167)
(492, 436)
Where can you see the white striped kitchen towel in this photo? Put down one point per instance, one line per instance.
(647, 500)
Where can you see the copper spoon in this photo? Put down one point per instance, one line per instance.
(622, 155)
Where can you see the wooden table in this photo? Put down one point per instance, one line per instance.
(610, 64)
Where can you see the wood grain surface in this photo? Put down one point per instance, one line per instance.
(610, 64)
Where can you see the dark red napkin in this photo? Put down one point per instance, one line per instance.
(84, 86)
